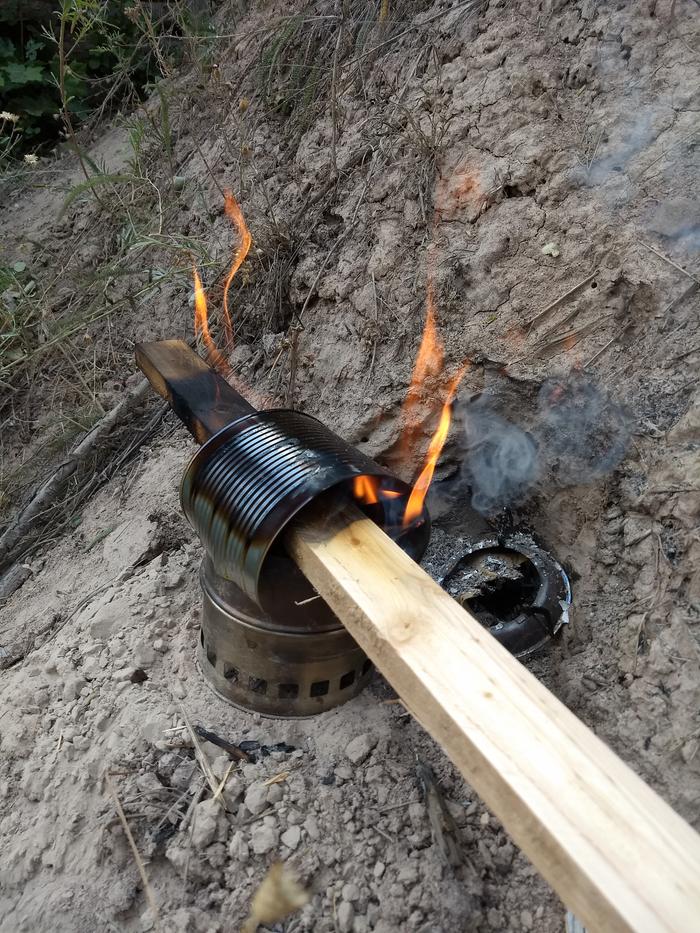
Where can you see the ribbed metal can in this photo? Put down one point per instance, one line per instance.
(247, 483)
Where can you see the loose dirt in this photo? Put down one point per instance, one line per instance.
(538, 165)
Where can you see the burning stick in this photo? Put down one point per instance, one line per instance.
(620, 858)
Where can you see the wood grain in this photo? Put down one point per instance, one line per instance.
(618, 856)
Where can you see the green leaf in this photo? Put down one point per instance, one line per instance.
(20, 74)
(31, 48)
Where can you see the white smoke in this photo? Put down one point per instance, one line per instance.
(576, 434)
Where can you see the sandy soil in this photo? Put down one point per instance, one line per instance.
(466, 146)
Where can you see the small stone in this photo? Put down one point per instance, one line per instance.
(144, 656)
(216, 855)
(109, 618)
(220, 766)
(204, 821)
(351, 893)
(148, 784)
(360, 748)
(494, 918)
(238, 847)
(91, 669)
(311, 827)
(526, 919)
(274, 793)
(408, 874)
(291, 837)
(182, 775)
(416, 814)
(171, 581)
(72, 688)
(344, 773)
(484, 819)
(345, 915)
(379, 870)
(263, 839)
(256, 798)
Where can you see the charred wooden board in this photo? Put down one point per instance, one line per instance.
(202, 400)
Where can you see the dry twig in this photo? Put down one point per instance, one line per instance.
(148, 890)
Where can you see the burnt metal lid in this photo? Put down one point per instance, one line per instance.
(514, 587)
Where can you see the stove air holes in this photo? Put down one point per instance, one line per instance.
(367, 667)
(201, 637)
(230, 672)
(320, 688)
(211, 655)
(288, 691)
(347, 680)
(257, 685)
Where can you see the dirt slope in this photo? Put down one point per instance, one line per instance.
(538, 164)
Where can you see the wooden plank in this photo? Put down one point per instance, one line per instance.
(618, 856)
(202, 400)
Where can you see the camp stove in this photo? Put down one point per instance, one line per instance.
(268, 642)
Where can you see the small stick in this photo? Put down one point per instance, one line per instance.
(233, 750)
(670, 262)
(148, 890)
(690, 290)
(603, 349)
(555, 304)
(442, 825)
(224, 781)
(199, 754)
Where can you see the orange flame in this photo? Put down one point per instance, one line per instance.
(428, 367)
(415, 501)
(365, 489)
(235, 215)
(368, 491)
(201, 326)
(201, 317)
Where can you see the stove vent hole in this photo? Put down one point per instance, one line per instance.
(320, 688)
(211, 655)
(257, 685)
(288, 691)
(201, 637)
(347, 679)
(230, 672)
(366, 667)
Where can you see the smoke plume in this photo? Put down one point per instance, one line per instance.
(576, 434)
(502, 459)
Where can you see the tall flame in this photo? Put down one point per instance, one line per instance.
(414, 506)
(235, 215)
(201, 326)
(201, 317)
